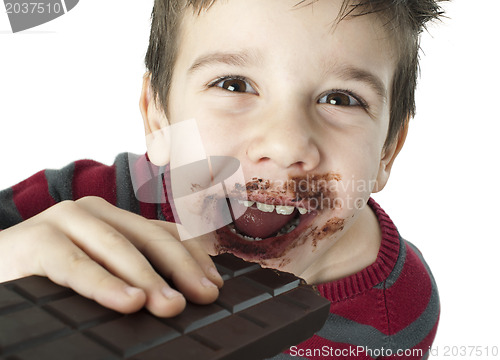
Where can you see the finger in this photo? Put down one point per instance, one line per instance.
(66, 264)
(113, 251)
(198, 251)
(167, 253)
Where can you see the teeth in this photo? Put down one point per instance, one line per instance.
(285, 210)
(265, 207)
(246, 203)
(282, 210)
(302, 211)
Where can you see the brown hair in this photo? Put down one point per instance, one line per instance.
(404, 20)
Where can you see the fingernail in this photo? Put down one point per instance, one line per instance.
(132, 291)
(213, 271)
(207, 283)
(170, 293)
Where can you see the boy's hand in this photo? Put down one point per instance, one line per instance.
(100, 251)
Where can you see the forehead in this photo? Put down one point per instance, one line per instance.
(283, 29)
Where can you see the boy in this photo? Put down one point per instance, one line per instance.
(313, 100)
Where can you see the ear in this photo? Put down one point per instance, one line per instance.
(156, 125)
(388, 156)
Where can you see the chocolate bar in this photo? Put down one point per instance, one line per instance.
(259, 313)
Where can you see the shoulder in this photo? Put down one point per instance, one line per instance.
(410, 287)
(400, 313)
(392, 304)
(412, 300)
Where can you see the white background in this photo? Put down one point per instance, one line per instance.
(69, 90)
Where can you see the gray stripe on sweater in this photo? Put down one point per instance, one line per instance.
(125, 196)
(9, 215)
(159, 213)
(398, 267)
(340, 329)
(419, 254)
(60, 183)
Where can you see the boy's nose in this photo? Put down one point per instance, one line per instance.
(286, 140)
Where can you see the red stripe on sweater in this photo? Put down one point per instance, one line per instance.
(367, 309)
(31, 196)
(148, 210)
(92, 179)
(412, 291)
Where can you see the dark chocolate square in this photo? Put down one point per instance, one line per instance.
(305, 297)
(80, 312)
(10, 301)
(72, 347)
(132, 334)
(196, 316)
(27, 325)
(40, 289)
(229, 334)
(273, 281)
(183, 348)
(273, 314)
(281, 322)
(232, 265)
(240, 293)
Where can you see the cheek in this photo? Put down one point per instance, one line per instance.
(215, 131)
(224, 104)
(219, 136)
(358, 180)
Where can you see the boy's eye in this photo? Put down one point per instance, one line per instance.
(234, 84)
(339, 98)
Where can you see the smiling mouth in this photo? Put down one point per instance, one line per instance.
(262, 221)
(264, 231)
(270, 218)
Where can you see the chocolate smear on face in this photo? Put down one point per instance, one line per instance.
(258, 184)
(314, 192)
(318, 190)
(331, 227)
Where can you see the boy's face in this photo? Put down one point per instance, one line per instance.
(302, 104)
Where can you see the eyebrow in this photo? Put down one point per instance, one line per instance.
(348, 72)
(241, 59)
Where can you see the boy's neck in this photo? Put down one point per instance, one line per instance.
(357, 249)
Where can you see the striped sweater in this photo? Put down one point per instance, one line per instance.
(388, 310)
